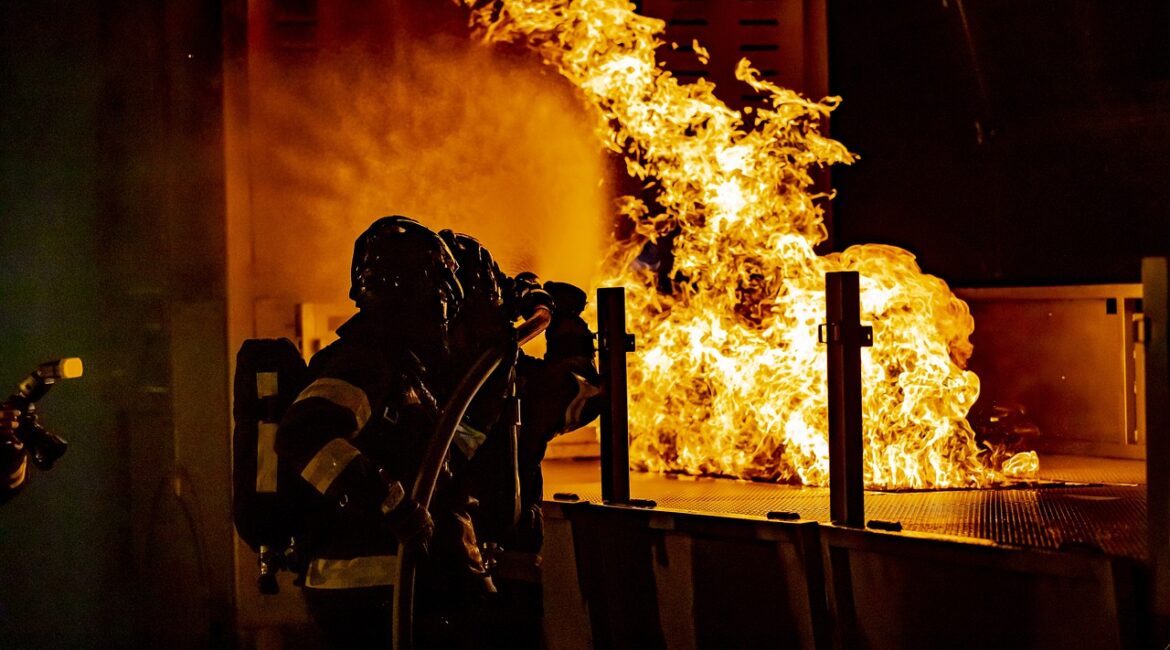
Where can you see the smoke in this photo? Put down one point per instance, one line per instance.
(444, 131)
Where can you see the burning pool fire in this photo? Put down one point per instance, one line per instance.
(729, 378)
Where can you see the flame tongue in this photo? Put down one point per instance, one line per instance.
(729, 378)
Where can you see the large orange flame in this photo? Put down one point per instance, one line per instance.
(729, 378)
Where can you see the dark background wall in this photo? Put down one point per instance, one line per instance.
(1006, 142)
(111, 229)
(59, 532)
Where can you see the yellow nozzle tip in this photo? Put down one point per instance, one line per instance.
(71, 368)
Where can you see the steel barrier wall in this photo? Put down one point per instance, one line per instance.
(621, 577)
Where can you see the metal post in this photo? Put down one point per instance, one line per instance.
(613, 344)
(1156, 326)
(845, 336)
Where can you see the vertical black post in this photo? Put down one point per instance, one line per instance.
(1157, 326)
(613, 343)
(845, 337)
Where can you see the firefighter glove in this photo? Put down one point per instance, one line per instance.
(408, 520)
(528, 295)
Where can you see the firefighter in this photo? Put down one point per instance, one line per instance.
(557, 394)
(13, 455)
(357, 432)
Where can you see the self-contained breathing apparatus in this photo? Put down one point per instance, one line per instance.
(268, 496)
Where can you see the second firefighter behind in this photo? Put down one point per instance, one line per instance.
(557, 394)
(428, 304)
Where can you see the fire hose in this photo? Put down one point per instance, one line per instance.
(436, 452)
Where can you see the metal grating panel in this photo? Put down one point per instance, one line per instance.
(1110, 519)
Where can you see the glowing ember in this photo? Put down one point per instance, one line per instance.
(729, 378)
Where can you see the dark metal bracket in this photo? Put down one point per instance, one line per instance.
(831, 333)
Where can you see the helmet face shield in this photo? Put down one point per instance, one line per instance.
(400, 265)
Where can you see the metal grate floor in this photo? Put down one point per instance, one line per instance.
(1102, 509)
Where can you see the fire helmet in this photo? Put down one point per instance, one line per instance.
(401, 265)
(478, 272)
